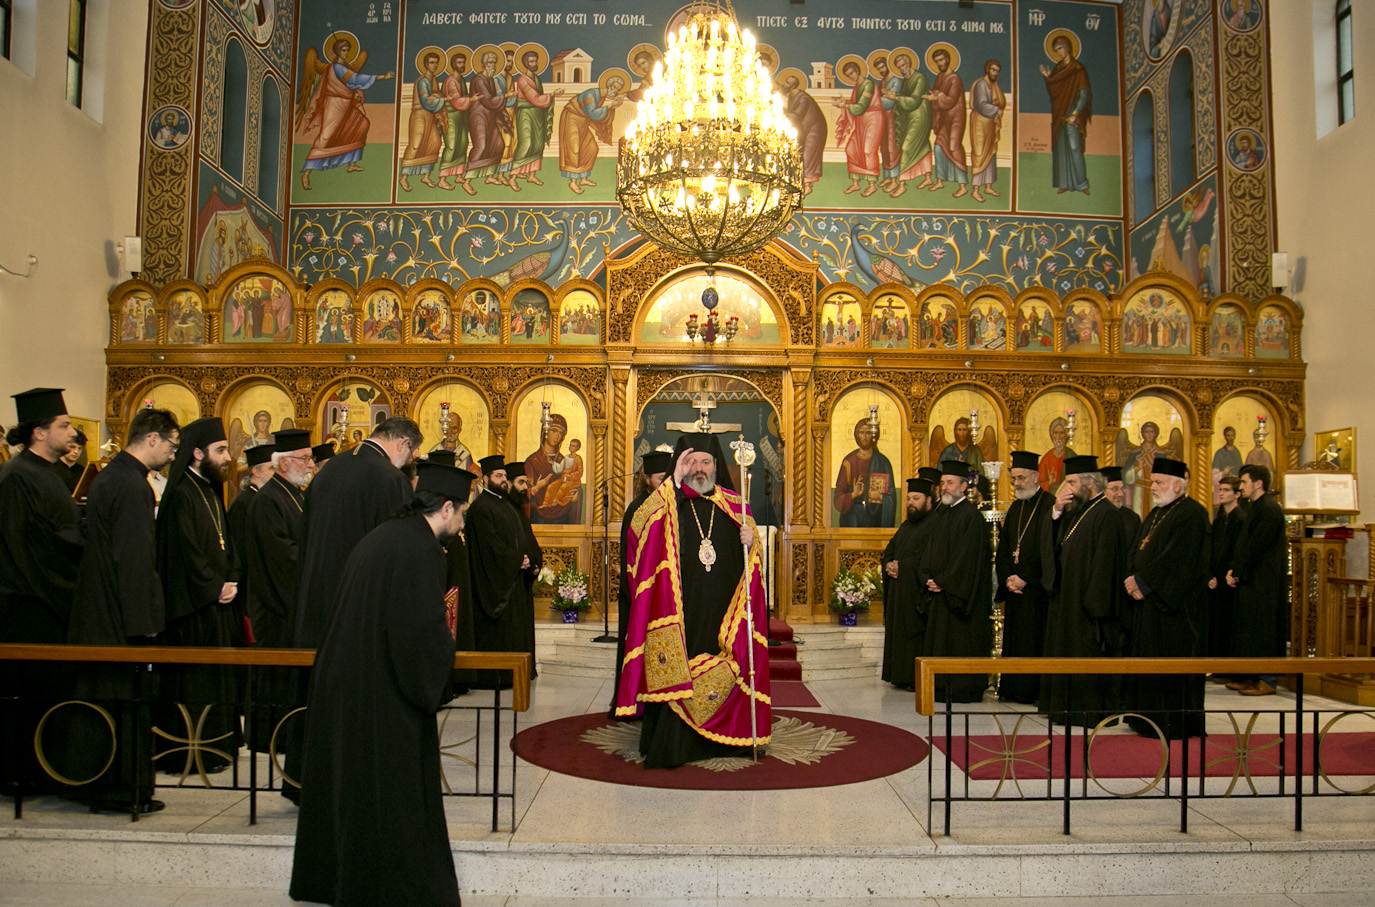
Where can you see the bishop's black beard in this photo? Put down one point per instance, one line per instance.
(1079, 501)
(518, 497)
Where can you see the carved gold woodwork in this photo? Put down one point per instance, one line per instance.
(801, 381)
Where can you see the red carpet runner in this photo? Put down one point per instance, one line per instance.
(994, 758)
(785, 671)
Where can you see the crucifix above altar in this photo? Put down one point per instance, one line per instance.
(705, 404)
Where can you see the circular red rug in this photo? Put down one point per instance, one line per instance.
(809, 750)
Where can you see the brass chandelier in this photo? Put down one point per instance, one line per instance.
(710, 166)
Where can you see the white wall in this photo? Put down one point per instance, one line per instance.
(68, 184)
(1323, 198)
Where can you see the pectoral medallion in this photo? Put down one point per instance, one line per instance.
(706, 553)
(1017, 555)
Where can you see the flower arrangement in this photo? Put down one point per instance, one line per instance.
(851, 591)
(570, 590)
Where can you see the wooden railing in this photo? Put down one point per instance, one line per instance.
(1350, 615)
(1070, 741)
(254, 661)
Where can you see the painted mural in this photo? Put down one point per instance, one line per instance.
(1181, 239)
(258, 310)
(987, 325)
(530, 317)
(138, 320)
(909, 107)
(554, 244)
(554, 456)
(231, 227)
(185, 317)
(1083, 327)
(889, 326)
(1035, 327)
(840, 322)
(382, 317)
(1272, 333)
(1069, 154)
(1227, 332)
(1156, 321)
(431, 320)
(334, 317)
(580, 319)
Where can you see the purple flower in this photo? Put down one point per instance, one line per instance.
(1021, 263)
(308, 236)
(1051, 267)
(938, 253)
(477, 242)
(358, 239)
(1043, 239)
(382, 224)
(391, 256)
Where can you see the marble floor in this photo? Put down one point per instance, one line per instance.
(844, 846)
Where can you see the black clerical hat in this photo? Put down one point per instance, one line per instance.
(955, 468)
(203, 433)
(257, 456)
(657, 461)
(289, 439)
(1168, 467)
(322, 452)
(1080, 464)
(447, 481)
(442, 457)
(930, 474)
(921, 486)
(514, 469)
(39, 404)
(1112, 473)
(1025, 459)
(492, 463)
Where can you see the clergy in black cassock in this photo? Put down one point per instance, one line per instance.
(458, 599)
(353, 494)
(496, 562)
(654, 466)
(1259, 568)
(40, 543)
(1084, 619)
(1022, 571)
(272, 558)
(518, 496)
(957, 572)
(199, 584)
(1167, 579)
(259, 460)
(904, 612)
(372, 831)
(1227, 522)
(1116, 493)
(119, 602)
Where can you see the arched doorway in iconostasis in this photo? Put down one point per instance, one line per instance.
(734, 407)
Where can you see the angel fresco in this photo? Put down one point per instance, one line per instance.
(331, 102)
(1138, 459)
(964, 446)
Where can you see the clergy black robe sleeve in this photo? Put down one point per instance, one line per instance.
(1173, 561)
(965, 564)
(496, 546)
(40, 541)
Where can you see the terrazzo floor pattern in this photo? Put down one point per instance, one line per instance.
(573, 819)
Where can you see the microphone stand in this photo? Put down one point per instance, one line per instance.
(607, 636)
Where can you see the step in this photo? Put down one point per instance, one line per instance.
(564, 872)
